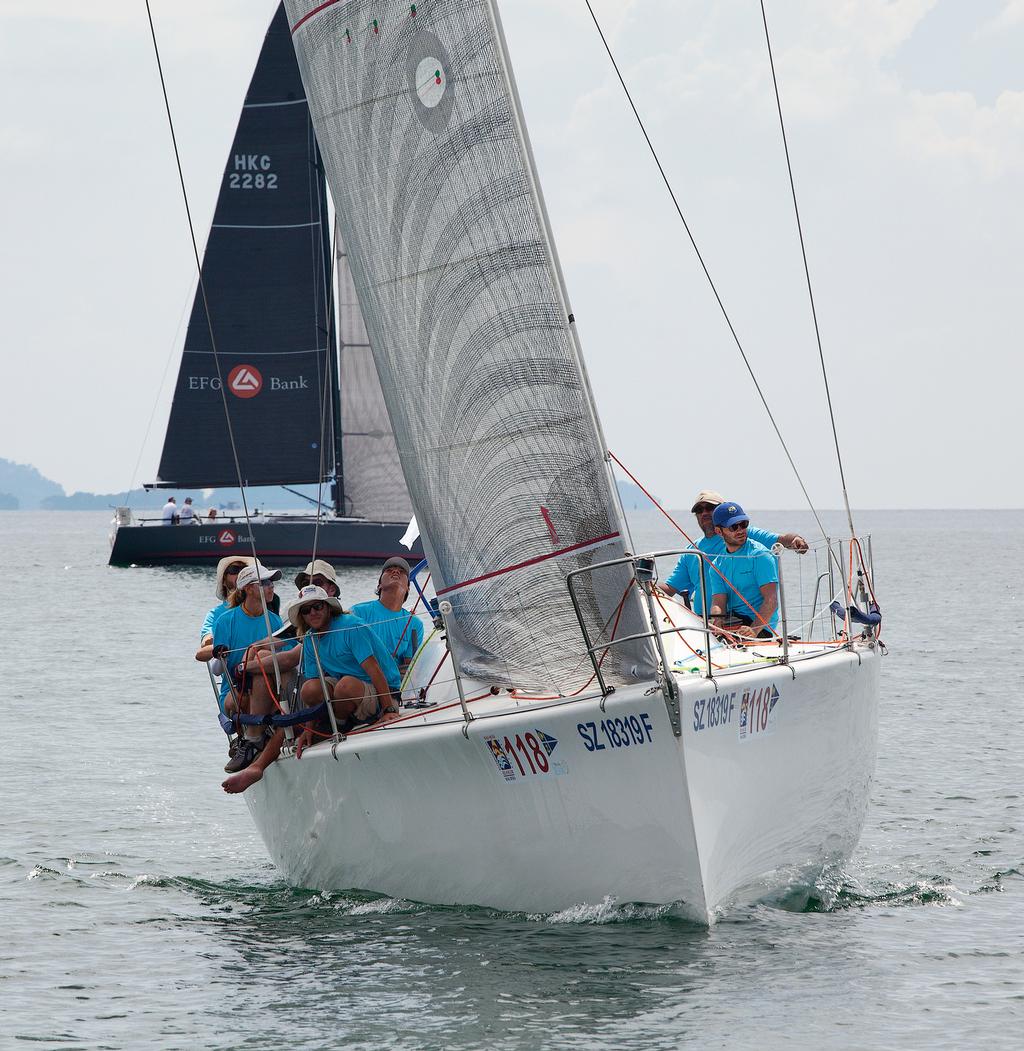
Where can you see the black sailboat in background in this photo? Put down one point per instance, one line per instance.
(304, 399)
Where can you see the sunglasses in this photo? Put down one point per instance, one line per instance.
(313, 607)
(737, 527)
(321, 582)
(701, 509)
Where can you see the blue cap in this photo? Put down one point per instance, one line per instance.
(728, 513)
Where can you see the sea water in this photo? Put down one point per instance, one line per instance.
(139, 908)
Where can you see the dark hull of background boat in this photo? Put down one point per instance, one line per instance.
(277, 543)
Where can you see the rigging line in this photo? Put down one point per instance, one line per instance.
(159, 391)
(704, 267)
(807, 272)
(209, 326)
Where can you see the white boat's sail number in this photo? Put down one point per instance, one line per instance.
(616, 733)
(525, 755)
(709, 712)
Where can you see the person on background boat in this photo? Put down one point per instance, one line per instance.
(691, 571)
(169, 514)
(211, 515)
(744, 580)
(187, 515)
(396, 627)
(344, 651)
(237, 628)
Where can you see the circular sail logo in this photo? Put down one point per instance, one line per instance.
(429, 72)
(245, 381)
(430, 81)
(226, 537)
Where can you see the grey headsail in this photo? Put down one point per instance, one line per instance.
(373, 483)
(430, 171)
(266, 271)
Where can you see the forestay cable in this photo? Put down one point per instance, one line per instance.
(807, 272)
(209, 326)
(707, 273)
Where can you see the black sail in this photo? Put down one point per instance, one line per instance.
(267, 283)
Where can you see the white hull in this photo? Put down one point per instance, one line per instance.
(725, 814)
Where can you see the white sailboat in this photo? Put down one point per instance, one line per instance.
(593, 743)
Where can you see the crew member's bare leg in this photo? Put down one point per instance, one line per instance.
(254, 771)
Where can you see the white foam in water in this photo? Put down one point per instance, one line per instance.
(608, 911)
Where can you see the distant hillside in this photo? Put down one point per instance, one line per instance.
(633, 498)
(25, 486)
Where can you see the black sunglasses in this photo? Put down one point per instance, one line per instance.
(314, 607)
(702, 508)
(737, 527)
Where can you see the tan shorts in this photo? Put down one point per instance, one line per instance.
(367, 706)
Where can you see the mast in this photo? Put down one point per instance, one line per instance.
(333, 344)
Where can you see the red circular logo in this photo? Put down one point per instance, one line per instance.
(226, 537)
(245, 381)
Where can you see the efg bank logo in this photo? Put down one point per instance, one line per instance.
(245, 381)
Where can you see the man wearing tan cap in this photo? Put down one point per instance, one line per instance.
(690, 573)
(320, 574)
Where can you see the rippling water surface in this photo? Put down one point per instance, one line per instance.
(139, 908)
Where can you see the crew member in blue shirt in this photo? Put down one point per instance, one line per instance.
(744, 580)
(398, 629)
(355, 670)
(687, 576)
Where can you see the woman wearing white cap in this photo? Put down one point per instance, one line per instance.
(243, 624)
(227, 573)
(343, 647)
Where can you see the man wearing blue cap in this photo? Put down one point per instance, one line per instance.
(691, 570)
(744, 581)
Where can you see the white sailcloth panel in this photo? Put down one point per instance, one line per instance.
(430, 174)
(374, 485)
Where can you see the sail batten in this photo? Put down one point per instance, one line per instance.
(461, 293)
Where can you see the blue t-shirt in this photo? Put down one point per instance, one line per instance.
(343, 648)
(748, 569)
(688, 572)
(398, 629)
(235, 629)
(211, 618)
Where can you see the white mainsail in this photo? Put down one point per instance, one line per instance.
(428, 163)
(374, 486)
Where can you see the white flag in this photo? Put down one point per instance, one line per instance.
(411, 534)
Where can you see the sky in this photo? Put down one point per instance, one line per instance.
(906, 131)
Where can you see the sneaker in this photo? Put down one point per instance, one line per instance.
(244, 755)
(233, 743)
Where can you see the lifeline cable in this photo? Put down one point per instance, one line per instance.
(807, 273)
(209, 326)
(704, 267)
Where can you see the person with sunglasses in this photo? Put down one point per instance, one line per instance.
(343, 648)
(227, 573)
(744, 580)
(690, 573)
(242, 625)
